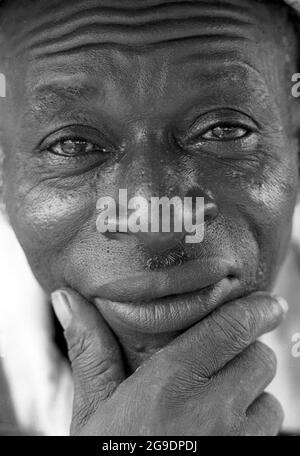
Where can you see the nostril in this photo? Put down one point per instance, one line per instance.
(161, 242)
(211, 209)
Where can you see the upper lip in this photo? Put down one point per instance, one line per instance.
(149, 286)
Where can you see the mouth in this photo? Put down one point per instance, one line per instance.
(167, 301)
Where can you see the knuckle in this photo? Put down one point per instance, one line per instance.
(275, 407)
(235, 326)
(228, 422)
(78, 342)
(79, 419)
(266, 357)
(175, 380)
(185, 384)
(266, 416)
(92, 371)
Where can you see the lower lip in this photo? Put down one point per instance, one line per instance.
(169, 314)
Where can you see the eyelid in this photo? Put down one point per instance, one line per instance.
(231, 117)
(73, 133)
(96, 148)
(247, 133)
(75, 139)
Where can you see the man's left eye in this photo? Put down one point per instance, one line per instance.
(74, 147)
(225, 133)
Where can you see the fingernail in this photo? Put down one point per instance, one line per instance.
(283, 303)
(62, 308)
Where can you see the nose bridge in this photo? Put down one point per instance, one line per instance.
(149, 169)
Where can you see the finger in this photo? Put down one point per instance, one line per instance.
(93, 350)
(248, 375)
(208, 346)
(264, 417)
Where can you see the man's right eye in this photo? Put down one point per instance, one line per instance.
(75, 147)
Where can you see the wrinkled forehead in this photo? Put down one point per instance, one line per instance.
(150, 39)
(52, 26)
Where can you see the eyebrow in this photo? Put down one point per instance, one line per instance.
(228, 73)
(64, 91)
(58, 96)
(52, 96)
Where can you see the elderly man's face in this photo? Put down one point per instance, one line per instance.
(166, 99)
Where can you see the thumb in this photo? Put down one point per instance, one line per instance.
(93, 350)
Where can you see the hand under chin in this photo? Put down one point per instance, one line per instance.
(138, 347)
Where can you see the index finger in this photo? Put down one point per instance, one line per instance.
(225, 333)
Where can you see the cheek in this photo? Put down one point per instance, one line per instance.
(257, 207)
(46, 221)
(276, 198)
(267, 204)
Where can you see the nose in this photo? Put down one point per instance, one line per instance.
(168, 237)
(160, 242)
(161, 225)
